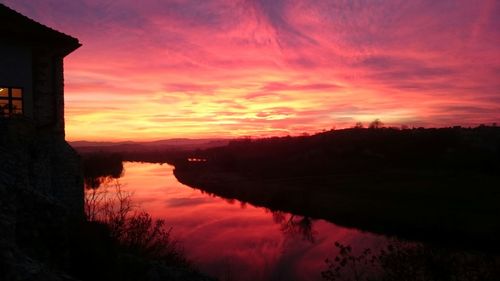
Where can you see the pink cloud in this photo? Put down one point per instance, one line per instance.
(220, 67)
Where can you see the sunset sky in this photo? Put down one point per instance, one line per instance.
(156, 69)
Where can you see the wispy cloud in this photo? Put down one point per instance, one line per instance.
(252, 67)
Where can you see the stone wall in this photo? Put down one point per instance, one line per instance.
(43, 88)
(42, 162)
(41, 199)
(48, 91)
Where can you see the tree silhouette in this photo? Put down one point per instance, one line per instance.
(294, 225)
(376, 124)
(358, 125)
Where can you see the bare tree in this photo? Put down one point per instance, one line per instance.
(136, 231)
(107, 206)
(94, 198)
(376, 124)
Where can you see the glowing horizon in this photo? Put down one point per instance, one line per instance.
(185, 68)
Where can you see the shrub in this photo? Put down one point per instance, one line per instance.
(135, 232)
(401, 260)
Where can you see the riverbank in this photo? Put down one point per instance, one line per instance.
(447, 209)
(437, 184)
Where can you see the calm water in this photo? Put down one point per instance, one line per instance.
(231, 240)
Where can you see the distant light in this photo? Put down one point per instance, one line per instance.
(197, 160)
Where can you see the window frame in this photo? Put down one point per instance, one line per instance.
(10, 98)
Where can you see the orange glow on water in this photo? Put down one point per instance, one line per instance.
(223, 236)
(225, 68)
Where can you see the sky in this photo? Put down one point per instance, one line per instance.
(157, 69)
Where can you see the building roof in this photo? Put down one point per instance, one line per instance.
(18, 28)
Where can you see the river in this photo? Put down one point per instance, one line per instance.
(233, 240)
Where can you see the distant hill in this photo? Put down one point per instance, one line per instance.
(131, 146)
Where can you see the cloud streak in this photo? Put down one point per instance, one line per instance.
(253, 67)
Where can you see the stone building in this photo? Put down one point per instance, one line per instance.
(33, 152)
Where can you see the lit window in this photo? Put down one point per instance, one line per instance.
(11, 101)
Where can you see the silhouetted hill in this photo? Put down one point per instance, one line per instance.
(159, 145)
(361, 151)
(434, 184)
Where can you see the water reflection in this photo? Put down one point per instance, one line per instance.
(232, 240)
(295, 226)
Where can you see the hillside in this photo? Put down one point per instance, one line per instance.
(432, 184)
(132, 146)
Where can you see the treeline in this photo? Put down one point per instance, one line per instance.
(438, 185)
(102, 161)
(360, 150)
(98, 166)
(156, 156)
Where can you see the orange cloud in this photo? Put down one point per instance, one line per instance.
(225, 68)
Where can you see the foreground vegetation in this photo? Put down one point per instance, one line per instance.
(119, 242)
(401, 260)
